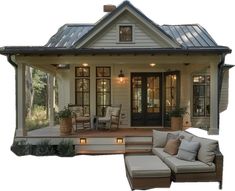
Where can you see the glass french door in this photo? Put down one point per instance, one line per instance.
(153, 96)
(146, 104)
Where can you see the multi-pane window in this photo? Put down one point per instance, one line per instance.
(125, 33)
(103, 89)
(82, 89)
(137, 94)
(201, 95)
(171, 92)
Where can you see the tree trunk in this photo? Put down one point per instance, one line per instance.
(29, 90)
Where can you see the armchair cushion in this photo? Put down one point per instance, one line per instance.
(207, 149)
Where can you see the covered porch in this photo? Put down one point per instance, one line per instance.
(172, 78)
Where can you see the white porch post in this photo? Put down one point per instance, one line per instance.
(21, 130)
(51, 99)
(214, 126)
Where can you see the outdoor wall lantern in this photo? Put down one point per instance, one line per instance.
(119, 140)
(121, 77)
(83, 141)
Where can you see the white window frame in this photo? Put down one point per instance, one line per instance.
(133, 33)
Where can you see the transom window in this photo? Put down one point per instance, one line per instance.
(126, 33)
(103, 89)
(201, 95)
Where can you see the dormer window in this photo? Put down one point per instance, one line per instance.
(125, 33)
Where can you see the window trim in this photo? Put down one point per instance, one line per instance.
(110, 91)
(77, 77)
(118, 37)
(205, 97)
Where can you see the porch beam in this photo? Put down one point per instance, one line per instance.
(51, 80)
(21, 129)
(214, 121)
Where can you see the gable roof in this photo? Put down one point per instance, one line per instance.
(188, 36)
(108, 18)
(191, 38)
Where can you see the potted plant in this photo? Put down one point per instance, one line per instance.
(177, 118)
(65, 120)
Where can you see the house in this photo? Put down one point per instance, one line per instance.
(126, 58)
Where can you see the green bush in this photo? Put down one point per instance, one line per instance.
(43, 148)
(21, 148)
(66, 148)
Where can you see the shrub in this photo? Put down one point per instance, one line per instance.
(43, 148)
(21, 148)
(66, 148)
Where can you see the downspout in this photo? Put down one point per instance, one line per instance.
(220, 81)
(9, 59)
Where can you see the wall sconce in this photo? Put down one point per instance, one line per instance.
(121, 77)
(152, 64)
(119, 140)
(83, 141)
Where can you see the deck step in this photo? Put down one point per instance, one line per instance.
(138, 143)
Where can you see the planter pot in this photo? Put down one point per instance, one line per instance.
(176, 123)
(66, 126)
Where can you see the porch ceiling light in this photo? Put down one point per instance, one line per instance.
(63, 66)
(152, 64)
(121, 76)
(85, 64)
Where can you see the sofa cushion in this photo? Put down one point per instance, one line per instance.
(187, 136)
(172, 146)
(182, 166)
(160, 137)
(207, 149)
(160, 153)
(188, 150)
(146, 166)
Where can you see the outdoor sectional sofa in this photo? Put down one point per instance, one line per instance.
(161, 168)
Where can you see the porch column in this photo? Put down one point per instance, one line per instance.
(21, 129)
(51, 99)
(214, 126)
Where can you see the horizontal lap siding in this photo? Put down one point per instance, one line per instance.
(143, 37)
(224, 93)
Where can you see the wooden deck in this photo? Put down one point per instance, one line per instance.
(134, 140)
(51, 132)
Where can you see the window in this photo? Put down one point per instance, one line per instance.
(103, 89)
(82, 89)
(126, 33)
(201, 95)
(171, 91)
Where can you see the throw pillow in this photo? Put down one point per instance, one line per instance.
(160, 137)
(172, 146)
(207, 150)
(188, 150)
(171, 136)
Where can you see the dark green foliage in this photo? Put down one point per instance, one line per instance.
(44, 148)
(65, 113)
(21, 148)
(178, 112)
(40, 87)
(66, 148)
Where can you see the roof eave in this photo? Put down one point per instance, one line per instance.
(87, 51)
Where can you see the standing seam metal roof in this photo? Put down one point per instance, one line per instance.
(189, 36)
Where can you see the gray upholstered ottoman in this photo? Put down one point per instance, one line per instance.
(145, 172)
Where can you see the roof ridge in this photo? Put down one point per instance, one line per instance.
(78, 24)
(181, 24)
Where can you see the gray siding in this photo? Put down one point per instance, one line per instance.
(224, 92)
(143, 38)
